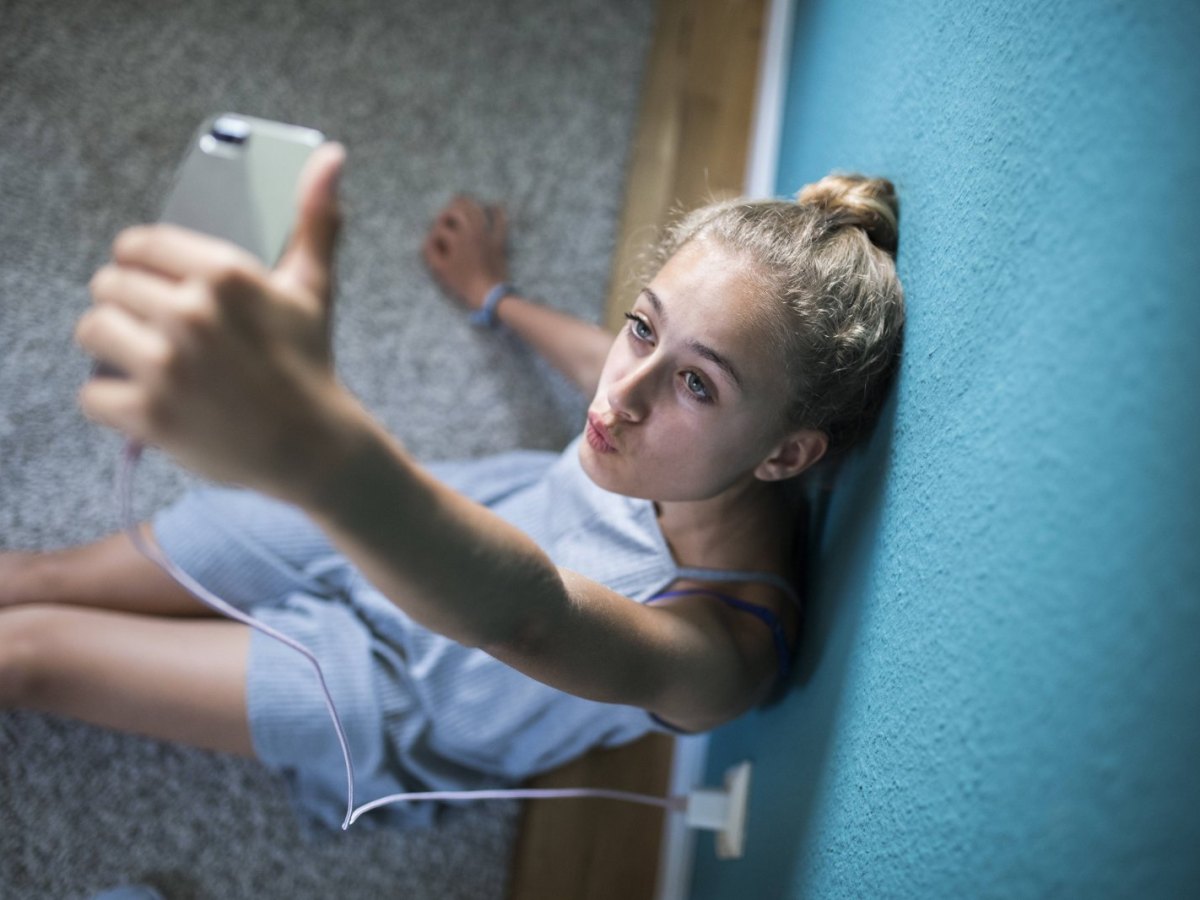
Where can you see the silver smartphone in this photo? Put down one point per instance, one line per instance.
(238, 181)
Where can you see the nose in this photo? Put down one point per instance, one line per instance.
(629, 395)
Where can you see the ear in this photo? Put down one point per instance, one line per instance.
(791, 456)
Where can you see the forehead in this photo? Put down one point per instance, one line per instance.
(715, 296)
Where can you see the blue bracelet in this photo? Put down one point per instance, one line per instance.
(485, 316)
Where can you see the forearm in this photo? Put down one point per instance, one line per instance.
(574, 347)
(447, 562)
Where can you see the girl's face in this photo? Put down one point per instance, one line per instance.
(691, 396)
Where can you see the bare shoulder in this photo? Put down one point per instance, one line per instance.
(758, 620)
(742, 587)
(739, 601)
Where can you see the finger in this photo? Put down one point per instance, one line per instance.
(450, 244)
(451, 219)
(174, 252)
(136, 291)
(115, 403)
(308, 261)
(445, 226)
(471, 212)
(179, 309)
(499, 220)
(113, 336)
(433, 249)
(479, 215)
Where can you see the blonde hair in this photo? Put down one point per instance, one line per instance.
(828, 259)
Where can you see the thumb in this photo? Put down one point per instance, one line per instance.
(308, 261)
(499, 221)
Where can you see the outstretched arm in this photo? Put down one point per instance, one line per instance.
(459, 569)
(229, 370)
(466, 252)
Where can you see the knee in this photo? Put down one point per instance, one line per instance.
(27, 577)
(15, 570)
(24, 632)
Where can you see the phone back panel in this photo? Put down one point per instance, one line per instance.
(238, 182)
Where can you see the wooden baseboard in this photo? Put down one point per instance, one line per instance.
(595, 849)
(693, 130)
(691, 146)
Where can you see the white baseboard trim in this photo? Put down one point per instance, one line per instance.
(678, 841)
(762, 161)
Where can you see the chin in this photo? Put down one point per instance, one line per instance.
(590, 466)
(602, 475)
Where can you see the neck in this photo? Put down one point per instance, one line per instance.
(746, 526)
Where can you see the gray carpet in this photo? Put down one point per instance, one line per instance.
(526, 101)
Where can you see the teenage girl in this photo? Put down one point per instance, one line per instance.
(477, 622)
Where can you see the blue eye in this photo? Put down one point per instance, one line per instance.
(638, 327)
(696, 386)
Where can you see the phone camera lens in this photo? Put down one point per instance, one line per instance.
(230, 131)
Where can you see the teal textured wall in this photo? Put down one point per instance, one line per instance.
(1000, 685)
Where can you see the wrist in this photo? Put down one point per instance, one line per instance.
(328, 453)
(369, 487)
(487, 315)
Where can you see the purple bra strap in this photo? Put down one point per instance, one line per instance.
(782, 651)
(776, 581)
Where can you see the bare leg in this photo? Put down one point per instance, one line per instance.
(171, 679)
(108, 574)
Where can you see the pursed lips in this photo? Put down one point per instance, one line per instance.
(599, 437)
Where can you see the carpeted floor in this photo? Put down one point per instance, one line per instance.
(525, 101)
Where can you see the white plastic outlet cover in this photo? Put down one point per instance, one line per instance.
(731, 840)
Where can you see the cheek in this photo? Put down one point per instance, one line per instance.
(739, 444)
(691, 448)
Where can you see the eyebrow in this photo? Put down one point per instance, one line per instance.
(702, 349)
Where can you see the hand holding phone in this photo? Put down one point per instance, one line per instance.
(238, 181)
(229, 363)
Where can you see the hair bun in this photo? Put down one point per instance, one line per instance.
(856, 200)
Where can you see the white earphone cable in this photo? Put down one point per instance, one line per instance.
(149, 548)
